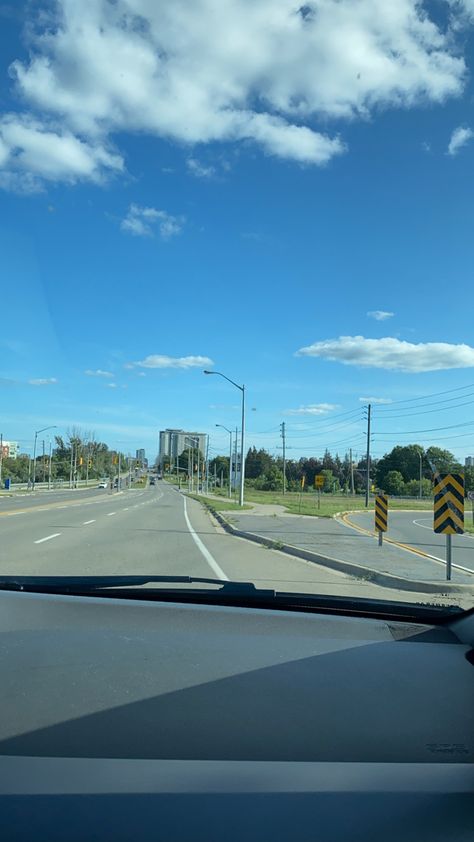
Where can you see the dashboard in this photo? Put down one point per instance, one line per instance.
(150, 720)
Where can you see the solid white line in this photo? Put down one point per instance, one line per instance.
(62, 507)
(126, 509)
(207, 555)
(109, 514)
(86, 522)
(48, 538)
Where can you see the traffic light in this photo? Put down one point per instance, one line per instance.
(89, 463)
(81, 460)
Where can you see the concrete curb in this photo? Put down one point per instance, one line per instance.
(359, 571)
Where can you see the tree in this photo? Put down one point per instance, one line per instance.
(404, 459)
(393, 483)
(443, 460)
(412, 488)
(271, 481)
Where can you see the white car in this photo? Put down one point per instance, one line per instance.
(103, 484)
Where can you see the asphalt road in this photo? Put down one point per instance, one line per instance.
(155, 531)
(416, 529)
(152, 531)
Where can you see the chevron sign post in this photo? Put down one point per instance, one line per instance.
(449, 510)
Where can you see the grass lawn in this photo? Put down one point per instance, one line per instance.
(219, 505)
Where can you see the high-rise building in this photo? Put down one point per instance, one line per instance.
(174, 442)
(140, 455)
(10, 449)
(469, 462)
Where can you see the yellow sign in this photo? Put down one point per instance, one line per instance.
(303, 480)
(381, 513)
(449, 504)
(319, 481)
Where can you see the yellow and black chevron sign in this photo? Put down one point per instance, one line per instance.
(449, 503)
(381, 513)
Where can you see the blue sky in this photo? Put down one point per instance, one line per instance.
(246, 188)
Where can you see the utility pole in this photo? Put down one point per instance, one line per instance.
(352, 470)
(421, 474)
(235, 459)
(282, 425)
(49, 471)
(1, 456)
(207, 464)
(367, 482)
(44, 465)
(72, 463)
(118, 478)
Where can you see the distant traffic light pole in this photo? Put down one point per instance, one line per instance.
(230, 457)
(242, 462)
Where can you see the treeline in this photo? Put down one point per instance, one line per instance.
(397, 473)
(78, 456)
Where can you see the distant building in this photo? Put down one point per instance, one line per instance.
(140, 455)
(10, 449)
(174, 442)
(469, 462)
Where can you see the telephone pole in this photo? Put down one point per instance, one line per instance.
(352, 470)
(367, 481)
(283, 435)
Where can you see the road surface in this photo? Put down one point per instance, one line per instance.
(152, 531)
(416, 530)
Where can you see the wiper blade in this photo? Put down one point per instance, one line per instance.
(73, 584)
(224, 592)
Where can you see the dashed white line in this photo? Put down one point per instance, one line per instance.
(48, 538)
(86, 522)
(109, 514)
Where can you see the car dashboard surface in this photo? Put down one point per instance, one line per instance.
(151, 720)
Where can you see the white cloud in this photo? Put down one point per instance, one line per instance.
(141, 374)
(163, 361)
(42, 381)
(141, 222)
(375, 400)
(32, 151)
(392, 354)
(313, 409)
(380, 315)
(112, 385)
(203, 71)
(98, 373)
(459, 138)
(200, 170)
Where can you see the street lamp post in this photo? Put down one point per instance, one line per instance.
(230, 457)
(421, 474)
(37, 432)
(242, 462)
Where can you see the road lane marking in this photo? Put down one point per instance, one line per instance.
(199, 544)
(126, 509)
(86, 522)
(48, 538)
(109, 514)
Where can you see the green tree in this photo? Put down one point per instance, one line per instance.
(443, 460)
(404, 459)
(412, 488)
(393, 483)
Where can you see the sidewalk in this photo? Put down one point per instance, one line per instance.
(340, 547)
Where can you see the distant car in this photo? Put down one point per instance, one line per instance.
(103, 484)
(152, 481)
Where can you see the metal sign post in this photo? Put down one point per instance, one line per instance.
(449, 510)
(319, 482)
(381, 516)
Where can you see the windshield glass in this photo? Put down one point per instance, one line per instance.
(235, 249)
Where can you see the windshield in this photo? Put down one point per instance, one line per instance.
(236, 249)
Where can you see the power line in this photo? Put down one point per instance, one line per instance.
(429, 430)
(415, 410)
(433, 395)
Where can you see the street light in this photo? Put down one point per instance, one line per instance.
(421, 474)
(230, 457)
(242, 463)
(37, 432)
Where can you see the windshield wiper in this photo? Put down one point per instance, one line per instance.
(223, 592)
(75, 584)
